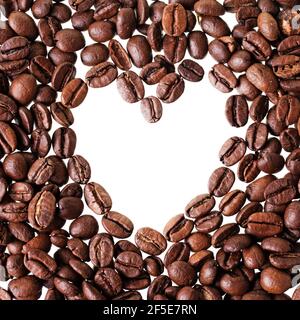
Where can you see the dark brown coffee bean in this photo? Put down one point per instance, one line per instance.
(198, 241)
(152, 73)
(119, 55)
(94, 54)
(237, 243)
(17, 92)
(177, 252)
(130, 87)
(97, 198)
(270, 162)
(109, 281)
(224, 233)
(170, 88)
(150, 241)
(139, 50)
(255, 43)
(74, 93)
(178, 228)
(236, 111)
(70, 208)
(246, 88)
(253, 257)
(209, 222)
(209, 8)
(48, 27)
(284, 260)
(289, 139)
(255, 190)
(21, 191)
(101, 31)
(58, 57)
(222, 78)
(41, 142)
(174, 19)
(276, 245)
(288, 109)
(117, 225)
(280, 191)
(275, 281)
(221, 49)
(154, 36)
(232, 151)
(151, 109)
(154, 266)
(8, 108)
(214, 26)
(42, 68)
(234, 283)
(41, 116)
(232, 202)
(200, 206)
(256, 136)
(248, 168)
(240, 61)
(197, 44)
(64, 142)
(264, 224)
(262, 77)
(129, 264)
(62, 75)
(26, 288)
(174, 48)
(191, 71)
(101, 75)
(15, 48)
(208, 272)
(69, 40)
(79, 169)
(182, 273)
(221, 181)
(158, 285)
(23, 25)
(41, 210)
(61, 114)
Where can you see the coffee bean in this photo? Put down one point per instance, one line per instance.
(97, 198)
(197, 44)
(178, 228)
(79, 169)
(117, 224)
(63, 74)
(74, 93)
(125, 23)
(254, 257)
(248, 168)
(240, 61)
(291, 216)
(236, 111)
(42, 68)
(234, 283)
(255, 43)
(284, 260)
(275, 281)
(61, 115)
(264, 224)
(101, 75)
(209, 222)
(200, 206)
(289, 139)
(221, 181)
(150, 241)
(178, 251)
(154, 266)
(26, 288)
(182, 273)
(174, 19)
(130, 264)
(232, 151)
(232, 202)
(21, 191)
(119, 55)
(191, 71)
(280, 191)
(214, 26)
(151, 109)
(69, 40)
(84, 227)
(222, 78)
(270, 162)
(108, 281)
(139, 50)
(223, 234)
(23, 25)
(170, 88)
(130, 87)
(64, 142)
(17, 91)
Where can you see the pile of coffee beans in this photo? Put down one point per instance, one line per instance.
(51, 249)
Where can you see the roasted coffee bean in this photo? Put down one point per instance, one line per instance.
(101, 250)
(228, 261)
(152, 73)
(139, 50)
(170, 88)
(63, 74)
(209, 222)
(61, 115)
(222, 78)
(41, 116)
(94, 54)
(232, 202)
(236, 111)
(182, 273)
(264, 224)
(41, 142)
(129, 264)
(151, 109)
(158, 285)
(17, 86)
(232, 151)
(41, 171)
(21, 191)
(154, 266)
(97, 198)
(198, 241)
(84, 227)
(119, 55)
(291, 216)
(253, 257)
(246, 88)
(150, 241)
(70, 207)
(79, 169)
(284, 260)
(191, 71)
(280, 191)
(23, 25)
(58, 57)
(221, 181)
(178, 228)
(256, 136)
(130, 87)
(174, 19)
(200, 206)
(270, 162)
(224, 233)
(26, 288)
(177, 252)
(208, 272)
(209, 8)
(42, 68)
(275, 281)
(259, 108)
(101, 75)
(214, 26)
(255, 43)
(239, 61)
(234, 283)
(74, 93)
(41, 210)
(108, 281)
(197, 44)
(117, 225)
(221, 49)
(125, 23)
(262, 77)
(69, 40)
(174, 48)
(248, 168)
(101, 31)
(64, 142)
(255, 190)
(289, 139)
